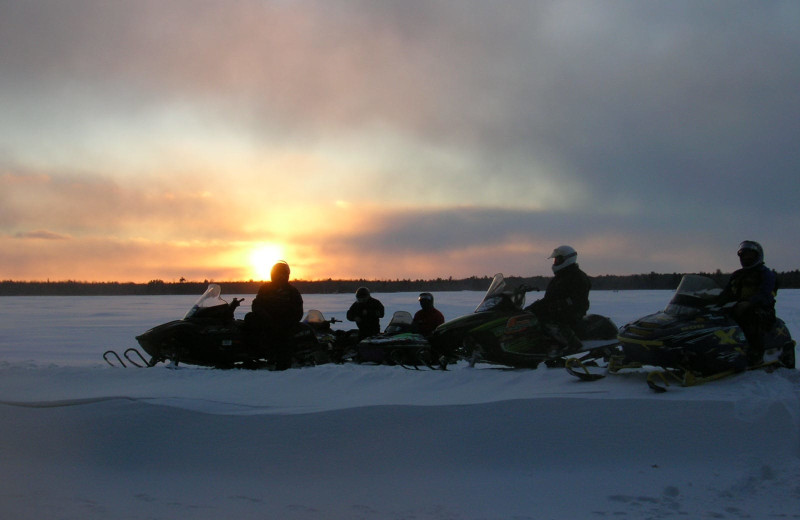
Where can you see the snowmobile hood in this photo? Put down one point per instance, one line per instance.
(665, 329)
(151, 340)
(465, 322)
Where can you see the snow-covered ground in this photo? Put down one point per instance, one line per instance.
(82, 440)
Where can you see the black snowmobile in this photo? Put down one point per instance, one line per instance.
(500, 332)
(210, 336)
(693, 340)
(399, 344)
(333, 341)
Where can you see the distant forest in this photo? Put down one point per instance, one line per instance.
(786, 280)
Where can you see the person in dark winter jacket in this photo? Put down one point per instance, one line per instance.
(752, 288)
(566, 298)
(367, 312)
(276, 310)
(428, 317)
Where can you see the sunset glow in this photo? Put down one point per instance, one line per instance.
(262, 258)
(205, 141)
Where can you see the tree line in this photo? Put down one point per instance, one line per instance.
(650, 281)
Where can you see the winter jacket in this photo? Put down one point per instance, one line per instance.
(426, 320)
(367, 316)
(757, 285)
(566, 298)
(278, 306)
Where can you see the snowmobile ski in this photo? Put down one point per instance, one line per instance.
(574, 364)
(115, 360)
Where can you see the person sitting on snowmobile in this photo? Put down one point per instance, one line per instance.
(428, 317)
(753, 289)
(566, 298)
(367, 312)
(276, 310)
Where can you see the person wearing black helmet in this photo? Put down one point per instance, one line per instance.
(367, 312)
(276, 310)
(566, 298)
(428, 317)
(753, 289)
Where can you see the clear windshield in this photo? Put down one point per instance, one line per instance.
(400, 322)
(314, 316)
(693, 294)
(210, 298)
(500, 294)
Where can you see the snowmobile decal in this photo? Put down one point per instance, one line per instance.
(726, 337)
(692, 341)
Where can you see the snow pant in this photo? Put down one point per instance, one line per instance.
(755, 322)
(269, 340)
(566, 329)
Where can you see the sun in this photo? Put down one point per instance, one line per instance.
(263, 257)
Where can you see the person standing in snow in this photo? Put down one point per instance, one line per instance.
(276, 310)
(366, 312)
(753, 289)
(428, 317)
(566, 298)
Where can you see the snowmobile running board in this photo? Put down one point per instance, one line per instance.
(140, 363)
(687, 378)
(659, 380)
(421, 357)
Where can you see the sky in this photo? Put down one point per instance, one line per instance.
(395, 139)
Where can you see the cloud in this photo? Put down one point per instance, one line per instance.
(92, 204)
(41, 235)
(474, 241)
(659, 127)
(106, 259)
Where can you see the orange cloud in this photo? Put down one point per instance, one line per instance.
(42, 234)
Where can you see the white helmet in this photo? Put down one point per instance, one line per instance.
(564, 256)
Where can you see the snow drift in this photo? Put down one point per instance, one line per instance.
(84, 440)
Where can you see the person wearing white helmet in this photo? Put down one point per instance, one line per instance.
(753, 289)
(566, 298)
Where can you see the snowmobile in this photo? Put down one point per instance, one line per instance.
(333, 341)
(210, 336)
(500, 332)
(693, 340)
(399, 344)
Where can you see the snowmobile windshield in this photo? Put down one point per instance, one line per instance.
(500, 295)
(210, 298)
(314, 316)
(400, 322)
(694, 293)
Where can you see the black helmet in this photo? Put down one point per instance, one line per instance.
(362, 294)
(280, 272)
(750, 245)
(425, 300)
